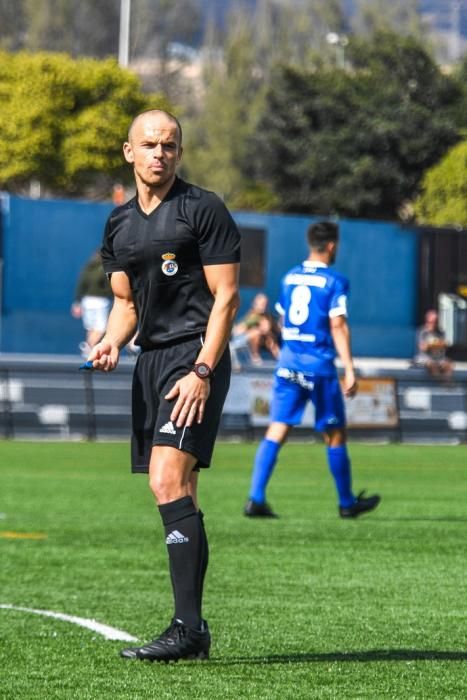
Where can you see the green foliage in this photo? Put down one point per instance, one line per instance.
(292, 32)
(63, 121)
(12, 24)
(443, 201)
(399, 16)
(460, 113)
(85, 28)
(218, 140)
(357, 142)
(254, 196)
(49, 24)
(221, 141)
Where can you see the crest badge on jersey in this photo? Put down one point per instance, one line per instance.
(170, 265)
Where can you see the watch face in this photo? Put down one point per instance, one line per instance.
(202, 370)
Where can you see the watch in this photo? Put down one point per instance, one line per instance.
(202, 370)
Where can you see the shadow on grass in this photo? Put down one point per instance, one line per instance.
(351, 656)
(426, 519)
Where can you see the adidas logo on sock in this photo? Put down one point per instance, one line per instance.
(168, 428)
(176, 537)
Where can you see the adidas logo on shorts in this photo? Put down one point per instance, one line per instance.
(168, 428)
(176, 537)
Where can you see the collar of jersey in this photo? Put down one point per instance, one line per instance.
(168, 196)
(314, 263)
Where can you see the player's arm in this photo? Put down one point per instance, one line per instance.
(121, 325)
(340, 332)
(193, 392)
(76, 308)
(422, 343)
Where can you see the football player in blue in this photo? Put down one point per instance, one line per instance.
(313, 304)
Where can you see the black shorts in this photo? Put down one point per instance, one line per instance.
(155, 374)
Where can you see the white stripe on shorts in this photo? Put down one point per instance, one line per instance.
(181, 439)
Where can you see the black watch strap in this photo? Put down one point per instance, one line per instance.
(202, 370)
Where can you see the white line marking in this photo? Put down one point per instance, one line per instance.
(104, 630)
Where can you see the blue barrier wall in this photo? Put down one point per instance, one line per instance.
(46, 243)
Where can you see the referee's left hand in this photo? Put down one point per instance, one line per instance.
(191, 393)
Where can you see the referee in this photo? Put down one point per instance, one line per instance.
(172, 255)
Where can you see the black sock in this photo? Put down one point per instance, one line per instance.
(205, 555)
(186, 542)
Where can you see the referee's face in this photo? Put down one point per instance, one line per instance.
(154, 150)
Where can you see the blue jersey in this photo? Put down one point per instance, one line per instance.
(311, 294)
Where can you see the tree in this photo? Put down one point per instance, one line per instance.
(12, 24)
(398, 16)
(218, 155)
(295, 33)
(162, 35)
(357, 142)
(460, 114)
(86, 28)
(235, 81)
(443, 198)
(62, 121)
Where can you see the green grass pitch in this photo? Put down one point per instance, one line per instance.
(308, 606)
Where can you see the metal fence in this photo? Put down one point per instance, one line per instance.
(46, 397)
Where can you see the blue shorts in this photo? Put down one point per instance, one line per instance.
(292, 390)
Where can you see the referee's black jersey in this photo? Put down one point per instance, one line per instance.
(163, 254)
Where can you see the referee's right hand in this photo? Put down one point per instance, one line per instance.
(191, 394)
(104, 356)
